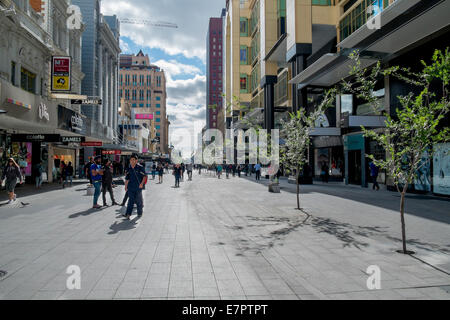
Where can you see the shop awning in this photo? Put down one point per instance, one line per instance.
(278, 52)
(330, 131)
(120, 147)
(328, 70)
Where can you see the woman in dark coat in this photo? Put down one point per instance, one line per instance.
(11, 173)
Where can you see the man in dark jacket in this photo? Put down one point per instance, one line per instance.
(135, 181)
(107, 183)
(68, 174)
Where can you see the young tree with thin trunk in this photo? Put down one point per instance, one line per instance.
(416, 127)
(294, 154)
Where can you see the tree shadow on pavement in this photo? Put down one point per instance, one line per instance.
(124, 225)
(415, 204)
(431, 247)
(285, 227)
(344, 232)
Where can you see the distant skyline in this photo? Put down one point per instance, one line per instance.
(180, 52)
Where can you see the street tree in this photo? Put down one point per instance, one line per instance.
(296, 130)
(417, 125)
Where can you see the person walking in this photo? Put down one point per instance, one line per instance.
(68, 174)
(160, 173)
(107, 183)
(227, 171)
(374, 170)
(323, 171)
(153, 171)
(135, 181)
(177, 174)
(239, 170)
(38, 174)
(189, 171)
(62, 173)
(96, 175)
(219, 170)
(11, 173)
(258, 171)
(199, 169)
(183, 169)
(87, 169)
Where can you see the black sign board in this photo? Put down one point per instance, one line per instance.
(86, 101)
(72, 139)
(74, 122)
(35, 138)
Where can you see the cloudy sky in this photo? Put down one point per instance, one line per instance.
(180, 52)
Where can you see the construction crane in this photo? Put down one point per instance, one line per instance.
(162, 24)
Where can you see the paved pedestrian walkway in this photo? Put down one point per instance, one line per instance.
(217, 239)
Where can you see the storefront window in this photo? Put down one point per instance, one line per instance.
(441, 169)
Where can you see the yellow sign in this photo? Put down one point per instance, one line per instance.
(61, 72)
(61, 83)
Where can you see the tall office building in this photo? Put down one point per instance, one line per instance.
(214, 72)
(281, 55)
(100, 64)
(144, 86)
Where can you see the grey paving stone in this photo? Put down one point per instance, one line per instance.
(155, 292)
(228, 246)
(206, 291)
(47, 295)
(101, 295)
(260, 298)
(410, 293)
(285, 297)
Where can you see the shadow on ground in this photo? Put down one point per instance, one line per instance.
(415, 204)
(124, 225)
(86, 212)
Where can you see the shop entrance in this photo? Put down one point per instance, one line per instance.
(354, 167)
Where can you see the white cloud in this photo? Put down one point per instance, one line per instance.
(124, 47)
(192, 18)
(174, 68)
(190, 92)
(186, 98)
